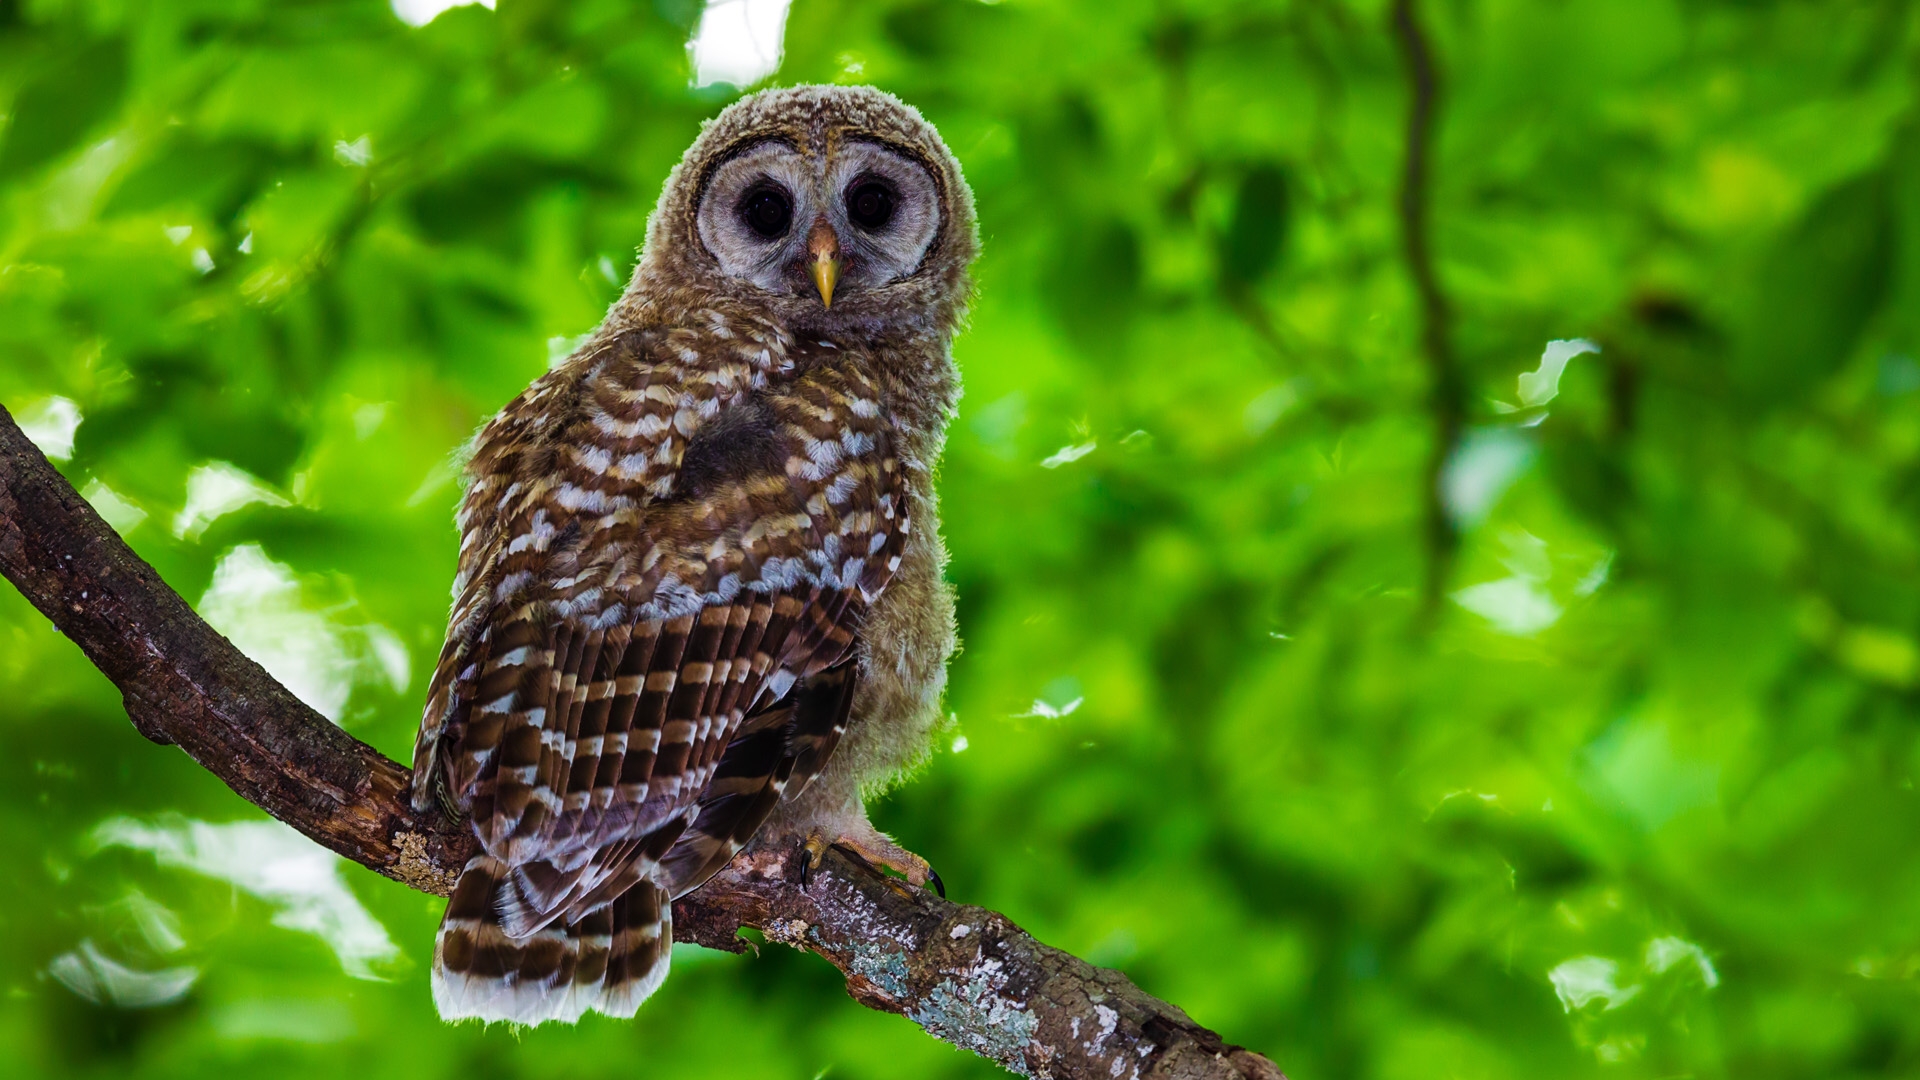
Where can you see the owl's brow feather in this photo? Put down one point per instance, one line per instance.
(741, 148)
(933, 171)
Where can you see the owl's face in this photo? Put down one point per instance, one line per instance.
(833, 210)
(833, 225)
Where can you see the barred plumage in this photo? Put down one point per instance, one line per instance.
(678, 552)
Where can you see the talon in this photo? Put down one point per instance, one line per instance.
(874, 853)
(815, 848)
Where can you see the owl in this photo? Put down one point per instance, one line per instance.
(699, 599)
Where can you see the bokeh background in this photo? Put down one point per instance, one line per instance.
(1560, 721)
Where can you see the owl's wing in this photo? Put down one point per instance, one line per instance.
(590, 444)
(776, 754)
(592, 711)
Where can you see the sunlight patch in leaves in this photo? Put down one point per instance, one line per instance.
(299, 878)
(104, 981)
(738, 41)
(1480, 470)
(217, 489)
(1068, 454)
(1586, 979)
(422, 12)
(51, 425)
(265, 610)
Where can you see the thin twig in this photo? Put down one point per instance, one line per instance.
(1446, 387)
(965, 974)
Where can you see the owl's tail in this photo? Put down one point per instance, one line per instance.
(608, 960)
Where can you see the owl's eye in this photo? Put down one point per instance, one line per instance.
(767, 211)
(870, 204)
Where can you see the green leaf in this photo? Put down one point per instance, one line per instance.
(55, 111)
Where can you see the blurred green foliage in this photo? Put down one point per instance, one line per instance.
(1636, 800)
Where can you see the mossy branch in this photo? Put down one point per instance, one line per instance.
(967, 975)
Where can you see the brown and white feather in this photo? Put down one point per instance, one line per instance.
(676, 550)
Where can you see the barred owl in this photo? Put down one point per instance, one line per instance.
(699, 596)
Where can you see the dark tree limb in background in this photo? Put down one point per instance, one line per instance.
(965, 974)
(1446, 387)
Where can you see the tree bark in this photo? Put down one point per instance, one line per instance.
(965, 974)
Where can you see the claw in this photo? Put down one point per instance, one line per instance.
(815, 847)
(874, 853)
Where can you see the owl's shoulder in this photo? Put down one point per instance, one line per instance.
(605, 388)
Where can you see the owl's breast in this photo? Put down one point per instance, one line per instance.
(743, 442)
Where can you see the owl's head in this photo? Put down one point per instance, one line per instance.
(833, 209)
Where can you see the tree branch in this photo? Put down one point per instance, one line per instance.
(1446, 387)
(965, 974)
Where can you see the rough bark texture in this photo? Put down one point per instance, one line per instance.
(965, 974)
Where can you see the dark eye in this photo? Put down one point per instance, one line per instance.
(767, 211)
(870, 204)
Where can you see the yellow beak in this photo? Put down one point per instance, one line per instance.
(826, 271)
(825, 249)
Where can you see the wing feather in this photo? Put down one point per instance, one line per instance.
(777, 751)
(638, 681)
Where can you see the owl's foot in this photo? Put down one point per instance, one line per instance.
(874, 851)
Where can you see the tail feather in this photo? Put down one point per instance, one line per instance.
(606, 960)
